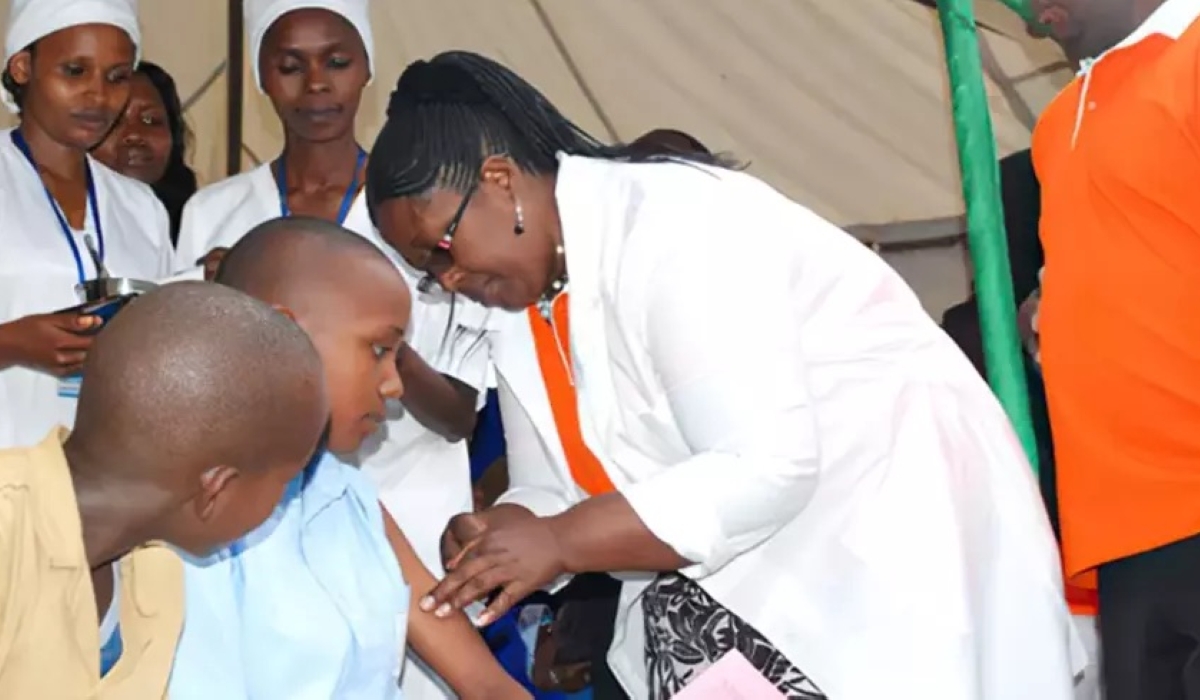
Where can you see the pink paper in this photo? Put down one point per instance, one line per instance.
(730, 678)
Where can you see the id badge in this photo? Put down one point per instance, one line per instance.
(68, 387)
(68, 399)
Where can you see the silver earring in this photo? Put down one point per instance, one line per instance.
(519, 227)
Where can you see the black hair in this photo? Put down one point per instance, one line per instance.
(178, 183)
(448, 114)
(668, 141)
(14, 88)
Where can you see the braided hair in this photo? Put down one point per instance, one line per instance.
(660, 141)
(449, 114)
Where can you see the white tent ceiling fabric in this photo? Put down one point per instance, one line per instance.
(841, 104)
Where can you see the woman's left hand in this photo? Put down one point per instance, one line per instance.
(512, 559)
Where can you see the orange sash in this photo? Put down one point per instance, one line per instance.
(554, 356)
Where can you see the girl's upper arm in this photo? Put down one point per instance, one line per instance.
(451, 646)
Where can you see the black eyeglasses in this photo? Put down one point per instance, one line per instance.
(440, 259)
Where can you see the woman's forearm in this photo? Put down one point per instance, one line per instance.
(604, 533)
(8, 347)
(451, 646)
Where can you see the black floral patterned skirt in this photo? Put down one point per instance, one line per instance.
(687, 631)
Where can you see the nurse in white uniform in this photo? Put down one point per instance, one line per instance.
(805, 469)
(313, 59)
(67, 73)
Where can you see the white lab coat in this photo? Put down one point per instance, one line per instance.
(38, 273)
(423, 480)
(775, 404)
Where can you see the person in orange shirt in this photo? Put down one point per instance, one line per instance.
(1116, 154)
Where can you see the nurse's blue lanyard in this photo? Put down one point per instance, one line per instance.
(347, 199)
(92, 202)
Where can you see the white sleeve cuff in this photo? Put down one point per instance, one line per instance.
(687, 526)
(192, 274)
(540, 502)
(714, 506)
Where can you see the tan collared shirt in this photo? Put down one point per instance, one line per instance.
(49, 629)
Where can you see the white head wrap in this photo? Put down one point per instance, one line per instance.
(30, 20)
(261, 14)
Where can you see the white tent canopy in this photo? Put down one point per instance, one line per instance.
(842, 104)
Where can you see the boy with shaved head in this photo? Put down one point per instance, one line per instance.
(314, 604)
(200, 405)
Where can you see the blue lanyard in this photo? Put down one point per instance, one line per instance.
(111, 652)
(347, 199)
(93, 202)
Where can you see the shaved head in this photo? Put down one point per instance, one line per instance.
(347, 295)
(202, 373)
(286, 261)
(194, 378)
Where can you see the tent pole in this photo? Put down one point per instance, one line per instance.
(986, 237)
(235, 69)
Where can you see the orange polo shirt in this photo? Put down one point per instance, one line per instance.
(1118, 158)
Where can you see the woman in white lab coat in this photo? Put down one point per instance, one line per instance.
(804, 469)
(67, 71)
(312, 59)
(536, 402)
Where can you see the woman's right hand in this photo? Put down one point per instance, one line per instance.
(465, 528)
(53, 343)
(211, 261)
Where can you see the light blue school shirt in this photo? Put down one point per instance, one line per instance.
(311, 605)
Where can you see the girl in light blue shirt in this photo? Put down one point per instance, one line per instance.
(314, 604)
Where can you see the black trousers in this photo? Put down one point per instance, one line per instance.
(1150, 624)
